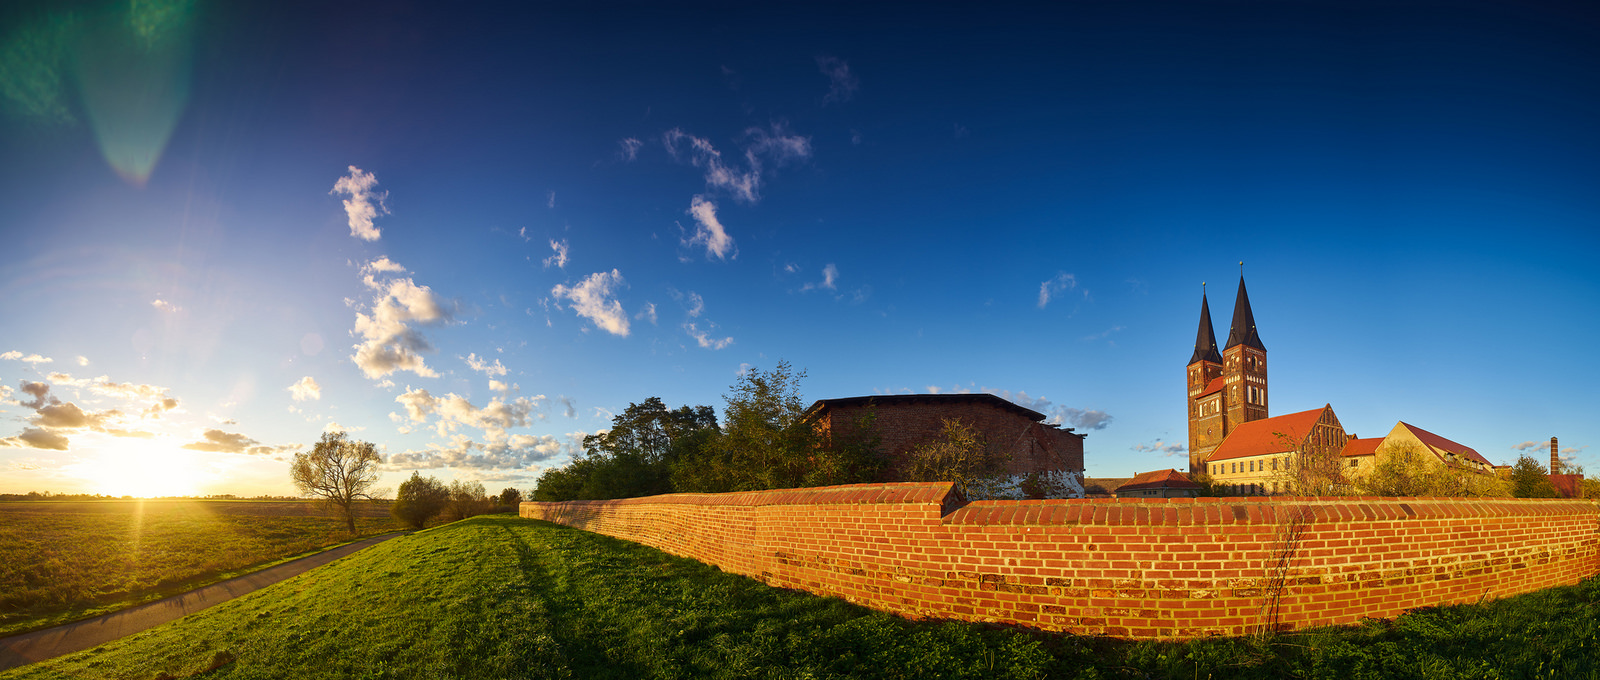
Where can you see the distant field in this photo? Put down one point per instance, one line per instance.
(65, 560)
(503, 597)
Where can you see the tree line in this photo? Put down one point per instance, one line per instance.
(764, 442)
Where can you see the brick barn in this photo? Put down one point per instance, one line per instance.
(1053, 453)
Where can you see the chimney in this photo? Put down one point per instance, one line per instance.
(1555, 457)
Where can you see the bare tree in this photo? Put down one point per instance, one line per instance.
(1311, 468)
(959, 455)
(338, 470)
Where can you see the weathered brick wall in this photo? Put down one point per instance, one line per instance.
(1034, 447)
(1139, 568)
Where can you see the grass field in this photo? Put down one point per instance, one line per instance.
(502, 597)
(64, 560)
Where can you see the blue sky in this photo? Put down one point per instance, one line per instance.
(470, 236)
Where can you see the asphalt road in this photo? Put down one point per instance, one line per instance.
(21, 650)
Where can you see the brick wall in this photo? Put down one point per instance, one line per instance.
(1138, 568)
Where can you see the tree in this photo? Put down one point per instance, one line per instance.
(563, 483)
(338, 470)
(466, 500)
(1312, 468)
(636, 456)
(1404, 469)
(765, 442)
(853, 456)
(510, 497)
(959, 455)
(419, 499)
(1530, 480)
(1591, 488)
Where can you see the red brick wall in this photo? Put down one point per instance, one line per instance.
(1034, 447)
(1138, 568)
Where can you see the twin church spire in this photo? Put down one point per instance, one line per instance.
(1226, 388)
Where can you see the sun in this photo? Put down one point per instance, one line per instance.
(145, 468)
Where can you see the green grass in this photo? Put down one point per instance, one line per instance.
(67, 560)
(502, 597)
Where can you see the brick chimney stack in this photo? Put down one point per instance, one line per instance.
(1555, 457)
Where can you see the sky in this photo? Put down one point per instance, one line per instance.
(471, 234)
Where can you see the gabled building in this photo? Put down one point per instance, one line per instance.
(1159, 484)
(1404, 438)
(1254, 458)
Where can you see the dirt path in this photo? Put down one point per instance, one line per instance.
(21, 650)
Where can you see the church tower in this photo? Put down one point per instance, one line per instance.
(1244, 366)
(1206, 427)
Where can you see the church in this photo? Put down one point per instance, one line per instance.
(1234, 439)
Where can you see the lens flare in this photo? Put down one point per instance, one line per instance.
(133, 74)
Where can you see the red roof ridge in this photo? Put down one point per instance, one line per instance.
(1437, 441)
(1260, 437)
(1213, 387)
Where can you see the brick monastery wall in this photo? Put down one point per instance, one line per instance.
(1137, 568)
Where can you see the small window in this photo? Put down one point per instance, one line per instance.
(1274, 467)
(1354, 462)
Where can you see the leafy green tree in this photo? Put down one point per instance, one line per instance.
(765, 441)
(1529, 479)
(419, 500)
(853, 456)
(563, 483)
(338, 470)
(1591, 488)
(1406, 470)
(466, 500)
(510, 497)
(959, 455)
(635, 457)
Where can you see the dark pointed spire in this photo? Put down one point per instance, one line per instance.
(1205, 341)
(1243, 330)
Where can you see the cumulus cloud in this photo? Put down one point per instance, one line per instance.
(709, 231)
(165, 306)
(842, 84)
(38, 390)
(484, 367)
(14, 355)
(1060, 283)
(775, 145)
(35, 438)
(1161, 447)
(223, 442)
(559, 259)
(628, 149)
(454, 411)
(67, 416)
(306, 389)
(593, 299)
(382, 265)
(568, 408)
(359, 207)
(704, 337)
(390, 340)
(83, 360)
(515, 452)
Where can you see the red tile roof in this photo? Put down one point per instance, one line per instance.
(1439, 442)
(1361, 447)
(1158, 479)
(1213, 387)
(1260, 437)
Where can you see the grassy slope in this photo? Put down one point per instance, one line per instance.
(63, 561)
(501, 597)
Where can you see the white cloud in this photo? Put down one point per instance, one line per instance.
(568, 407)
(306, 388)
(696, 304)
(36, 438)
(14, 355)
(485, 367)
(593, 299)
(83, 360)
(842, 84)
(1056, 285)
(704, 337)
(551, 201)
(454, 411)
(218, 441)
(382, 265)
(559, 259)
(648, 313)
(1161, 447)
(628, 149)
(744, 184)
(165, 306)
(709, 231)
(359, 207)
(462, 453)
(389, 341)
(830, 279)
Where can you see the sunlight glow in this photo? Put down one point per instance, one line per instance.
(146, 469)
